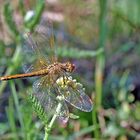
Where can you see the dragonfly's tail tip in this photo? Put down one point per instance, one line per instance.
(1, 78)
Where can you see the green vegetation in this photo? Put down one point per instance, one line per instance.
(102, 39)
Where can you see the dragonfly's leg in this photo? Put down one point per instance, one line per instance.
(57, 89)
(65, 77)
(64, 80)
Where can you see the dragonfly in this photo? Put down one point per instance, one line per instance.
(52, 77)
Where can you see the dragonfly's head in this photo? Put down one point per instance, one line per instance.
(68, 67)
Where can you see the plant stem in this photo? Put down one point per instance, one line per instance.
(49, 126)
(16, 101)
(101, 57)
(10, 69)
(100, 62)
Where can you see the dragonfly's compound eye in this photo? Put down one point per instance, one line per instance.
(70, 67)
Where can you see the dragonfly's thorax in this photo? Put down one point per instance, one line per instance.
(68, 67)
(54, 71)
(54, 68)
(57, 67)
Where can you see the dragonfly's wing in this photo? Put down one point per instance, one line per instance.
(74, 93)
(44, 35)
(48, 99)
(39, 48)
(79, 99)
(33, 58)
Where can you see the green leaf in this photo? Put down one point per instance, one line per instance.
(38, 108)
(73, 116)
(30, 24)
(21, 7)
(3, 128)
(77, 53)
(82, 132)
(8, 15)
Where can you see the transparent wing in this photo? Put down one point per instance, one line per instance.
(38, 48)
(33, 58)
(74, 93)
(78, 99)
(47, 97)
(44, 35)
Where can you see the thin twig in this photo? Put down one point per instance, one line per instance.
(49, 126)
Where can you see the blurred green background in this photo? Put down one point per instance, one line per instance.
(102, 39)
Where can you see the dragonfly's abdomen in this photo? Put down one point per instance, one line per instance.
(32, 74)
